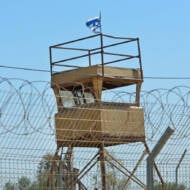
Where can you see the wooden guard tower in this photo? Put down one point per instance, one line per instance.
(84, 119)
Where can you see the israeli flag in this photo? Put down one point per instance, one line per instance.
(94, 24)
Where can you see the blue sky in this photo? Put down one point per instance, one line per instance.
(28, 28)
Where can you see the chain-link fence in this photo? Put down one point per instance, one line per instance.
(28, 144)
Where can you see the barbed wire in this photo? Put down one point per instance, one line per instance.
(28, 131)
(29, 107)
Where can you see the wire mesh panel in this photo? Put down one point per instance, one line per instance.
(28, 143)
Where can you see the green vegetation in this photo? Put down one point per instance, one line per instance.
(170, 186)
(24, 183)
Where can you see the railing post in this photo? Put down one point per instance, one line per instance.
(50, 58)
(139, 55)
(152, 156)
(102, 53)
(89, 58)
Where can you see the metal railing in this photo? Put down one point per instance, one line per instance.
(101, 49)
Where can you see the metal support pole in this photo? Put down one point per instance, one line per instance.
(139, 54)
(103, 167)
(60, 176)
(102, 52)
(50, 59)
(89, 58)
(176, 170)
(152, 156)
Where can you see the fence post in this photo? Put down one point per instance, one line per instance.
(152, 156)
(178, 165)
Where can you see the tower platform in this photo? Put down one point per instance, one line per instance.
(112, 77)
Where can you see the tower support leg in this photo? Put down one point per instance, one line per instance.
(103, 167)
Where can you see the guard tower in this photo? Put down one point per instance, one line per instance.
(80, 74)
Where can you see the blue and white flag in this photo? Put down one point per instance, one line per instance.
(94, 24)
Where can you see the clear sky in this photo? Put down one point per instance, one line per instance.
(28, 28)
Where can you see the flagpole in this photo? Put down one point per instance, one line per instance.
(100, 16)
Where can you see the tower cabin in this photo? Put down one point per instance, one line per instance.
(84, 117)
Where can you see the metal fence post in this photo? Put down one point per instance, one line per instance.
(152, 156)
(178, 165)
